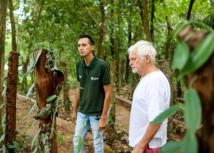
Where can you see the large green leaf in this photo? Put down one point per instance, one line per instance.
(167, 113)
(74, 85)
(79, 144)
(17, 147)
(189, 144)
(200, 55)
(181, 56)
(171, 147)
(192, 107)
(59, 139)
(29, 91)
(51, 98)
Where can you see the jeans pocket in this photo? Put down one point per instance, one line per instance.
(97, 118)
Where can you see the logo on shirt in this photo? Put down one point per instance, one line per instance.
(92, 78)
(80, 76)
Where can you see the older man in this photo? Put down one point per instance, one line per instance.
(151, 97)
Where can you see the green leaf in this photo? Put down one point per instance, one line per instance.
(30, 67)
(3, 119)
(17, 147)
(200, 55)
(4, 91)
(23, 75)
(4, 148)
(171, 147)
(84, 123)
(2, 138)
(32, 109)
(181, 56)
(167, 113)
(2, 105)
(192, 110)
(11, 146)
(51, 98)
(189, 143)
(37, 57)
(35, 151)
(34, 139)
(29, 91)
(74, 85)
(79, 144)
(59, 139)
(31, 124)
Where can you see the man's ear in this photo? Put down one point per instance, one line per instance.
(147, 59)
(92, 47)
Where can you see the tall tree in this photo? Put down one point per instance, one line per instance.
(144, 18)
(169, 28)
(190, 9)
(3, 15)
(14, 45)
(102, 29)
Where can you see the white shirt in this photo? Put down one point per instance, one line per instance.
(151, 97)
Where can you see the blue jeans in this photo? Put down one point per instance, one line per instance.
(80, 131)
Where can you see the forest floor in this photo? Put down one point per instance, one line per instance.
(66, 128)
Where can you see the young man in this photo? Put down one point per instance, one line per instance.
(151, 97)
(91, 102)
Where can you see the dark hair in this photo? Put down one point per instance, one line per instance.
(91, 41)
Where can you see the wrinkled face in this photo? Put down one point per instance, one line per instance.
(135, 62)
(84, 47)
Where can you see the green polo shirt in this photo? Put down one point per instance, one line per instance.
(92, 78)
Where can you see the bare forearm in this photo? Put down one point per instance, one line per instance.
(106, 100)
(148, 136)
(77, 97)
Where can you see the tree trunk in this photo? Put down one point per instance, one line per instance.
(105, 56)
(24, 70)
(110, 128)
(165, 68)
(169, 28)
(48, 83)
(14, 46)
(129, 44)
(102, 29)
(144, 18)
(152, 17)
(204, 85)
(66, 89)
(11, 98)
(3, 16)
(122, 72)
(190, 9)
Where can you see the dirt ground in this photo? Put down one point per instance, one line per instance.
(66, 128)
(66, 146)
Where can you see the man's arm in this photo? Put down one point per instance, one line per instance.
(76, 103)
(102, 122)
(150, 133)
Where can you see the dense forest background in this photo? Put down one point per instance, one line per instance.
(114, 25)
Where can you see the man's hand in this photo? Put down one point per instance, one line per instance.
(102, 123)
(74, 116)
(138, 149)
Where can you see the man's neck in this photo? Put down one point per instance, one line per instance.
(151, 68)
(88, 59)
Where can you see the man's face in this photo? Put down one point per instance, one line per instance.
(84, 47)
(135, 62)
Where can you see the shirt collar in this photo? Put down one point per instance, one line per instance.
(92, 64)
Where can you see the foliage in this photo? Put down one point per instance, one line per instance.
(192, 107)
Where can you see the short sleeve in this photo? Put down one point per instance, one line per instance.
(106, 79)
(156, 102)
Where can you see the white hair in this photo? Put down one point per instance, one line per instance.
(143, 48)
